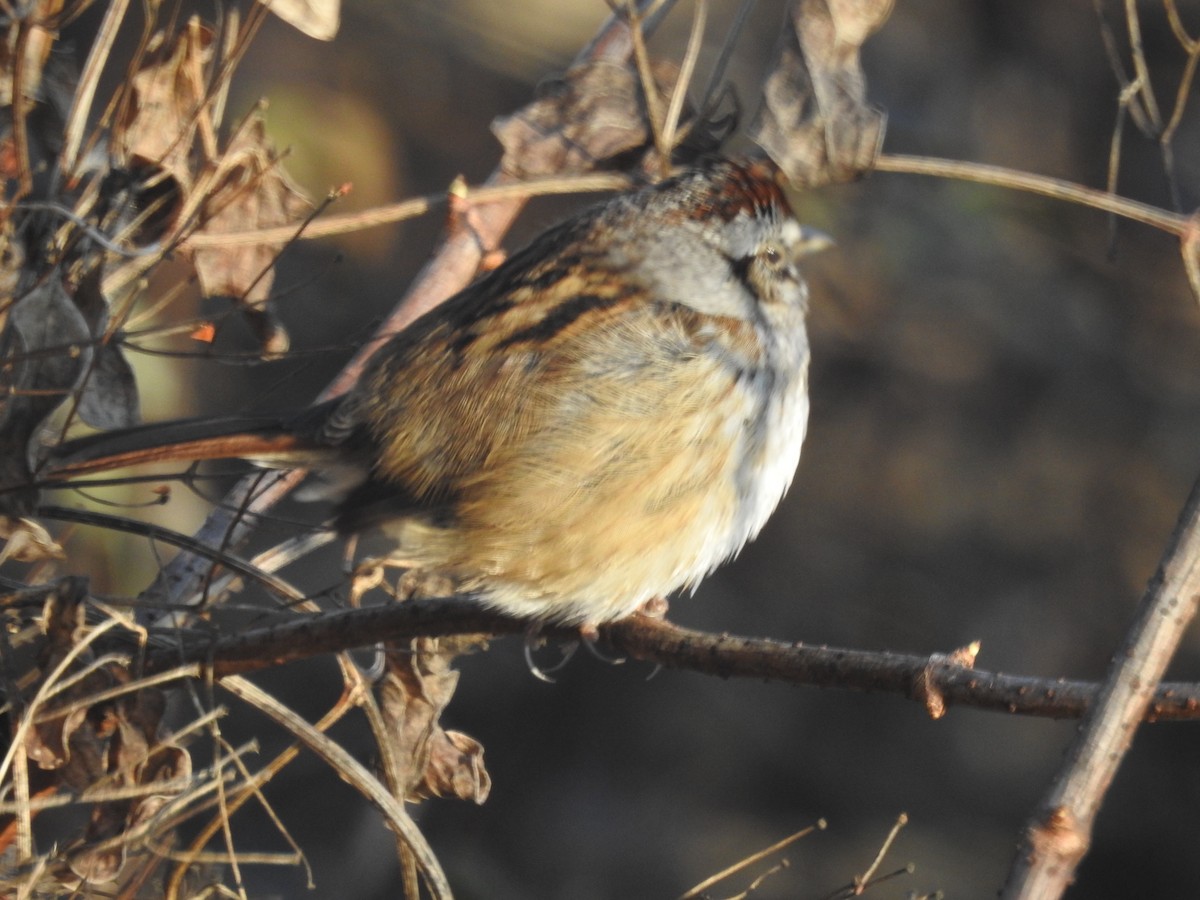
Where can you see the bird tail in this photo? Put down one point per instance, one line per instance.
(267, 439)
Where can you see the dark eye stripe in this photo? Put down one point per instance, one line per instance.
(739, 267)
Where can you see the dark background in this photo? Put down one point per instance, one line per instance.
(1005, 423)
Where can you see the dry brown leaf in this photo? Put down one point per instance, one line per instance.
(159, 127)
(417, 687)
(593, 113)
(318, 19)
(251, 191)
(27, 541)
(455, 768)
(816, 123)
(130, 729)
(110, 744)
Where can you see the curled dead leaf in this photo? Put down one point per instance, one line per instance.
(27, 541)
(455, 768)
(418, 685)
(593, 113)
(318, 19)
(249, 191)
(160, 121)
(815, 122)
(48, 351)
(12, 259)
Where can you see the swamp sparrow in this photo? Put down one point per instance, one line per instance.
(601, 420)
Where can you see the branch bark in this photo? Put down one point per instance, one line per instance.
(919, 678)
(1058, 836)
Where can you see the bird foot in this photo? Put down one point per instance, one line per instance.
(654, 608)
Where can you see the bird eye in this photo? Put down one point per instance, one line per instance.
(772, 255)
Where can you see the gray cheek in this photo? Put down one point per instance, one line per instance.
(698, 277)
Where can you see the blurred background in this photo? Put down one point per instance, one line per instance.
(1005, 424)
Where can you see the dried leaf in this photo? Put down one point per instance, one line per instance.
(318, 19)
(455, 768)
(595, 112)
(416, 688)
(109, 395)
(252, 191)
(160, 124)
(80, 744)
(109, 398)
(133, 756)
(44, 349)
(98, 866)
(63, 616)
(49, 742)
(27, 541)
(816, 123)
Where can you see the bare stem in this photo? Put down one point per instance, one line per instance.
(1034, 184)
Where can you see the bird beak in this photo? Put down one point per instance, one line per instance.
(812, 241)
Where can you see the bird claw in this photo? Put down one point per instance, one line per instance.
(589, 636)
(568, 650)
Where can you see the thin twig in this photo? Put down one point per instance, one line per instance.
(752, 859)
(391, 213)
(252, 787)
(1034, 184)
(353, 772)
(120, 523)
(20, 108)
(731, 38)
(1133, 23)
(686, 69)
(641, 58)
(89, 79)
(861, 881)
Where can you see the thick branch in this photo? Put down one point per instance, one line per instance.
(1060, 832)
(920, 678)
